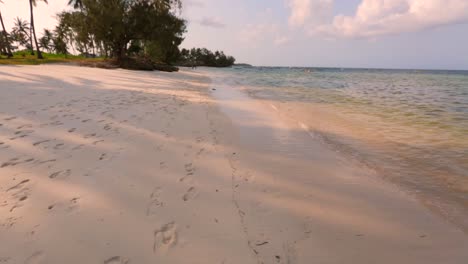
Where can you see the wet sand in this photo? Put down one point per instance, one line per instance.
(113, 166)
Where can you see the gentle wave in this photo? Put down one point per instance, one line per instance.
(410, 125)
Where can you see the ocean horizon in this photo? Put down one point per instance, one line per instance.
(336, 68)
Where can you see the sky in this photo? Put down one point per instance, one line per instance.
(418, 34)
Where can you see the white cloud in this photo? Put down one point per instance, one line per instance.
(300, 11)
(265, 32)
(253, 33)
(308, 11)
(215, 22)
(263, 29)
(385, 17)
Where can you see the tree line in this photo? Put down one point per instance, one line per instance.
(150, 30)
(104, 28)
(204, 57)
(24, 34)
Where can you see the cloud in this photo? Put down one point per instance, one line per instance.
(308, 11)
(386, 17)
(266, 31)
(212, 22)
(254, 33)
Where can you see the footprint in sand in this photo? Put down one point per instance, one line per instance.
(97, 142)
(190, 194)
(155, 202)
(41, 162)
(18, 186)
(70, 206)
(103, 156)
(108, 126)
(165, 237)
(19, 136)
(90, 135)
(10, 118)
(24, 132)
(40, 142)
(3, 145)
(200, 152)
(78, 147)
(189, 169)
(15, 161)
(36, 258)
(20, 193)
(60, 174)
(56, 123)
(24, 126)
(59, 146)
(116, 260)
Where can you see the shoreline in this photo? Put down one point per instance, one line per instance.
(420, 159)
(443, 196)
(286, 157)
(137, 167)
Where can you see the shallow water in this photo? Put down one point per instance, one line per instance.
(411, 126)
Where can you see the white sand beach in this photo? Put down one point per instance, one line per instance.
(115, 166)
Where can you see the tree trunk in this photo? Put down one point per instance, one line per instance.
(31, 40)
(5, 36)
(39, 54)
(93, 46)
(119, 51)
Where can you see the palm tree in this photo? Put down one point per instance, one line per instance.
(20, 32)
(31, 4)
(59, 39)
(44, 42)
(5, 36)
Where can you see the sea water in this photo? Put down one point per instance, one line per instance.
(409, 125)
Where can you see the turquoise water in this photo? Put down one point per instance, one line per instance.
(434, 102)
(410, 125)
(434, 98)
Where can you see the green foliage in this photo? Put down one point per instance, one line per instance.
(24, 57)
(119, 28)
(110, 28)
(20, 33)
(205, 57)
(45, 41)
(130, 31)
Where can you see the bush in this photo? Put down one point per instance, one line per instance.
(145, 64)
